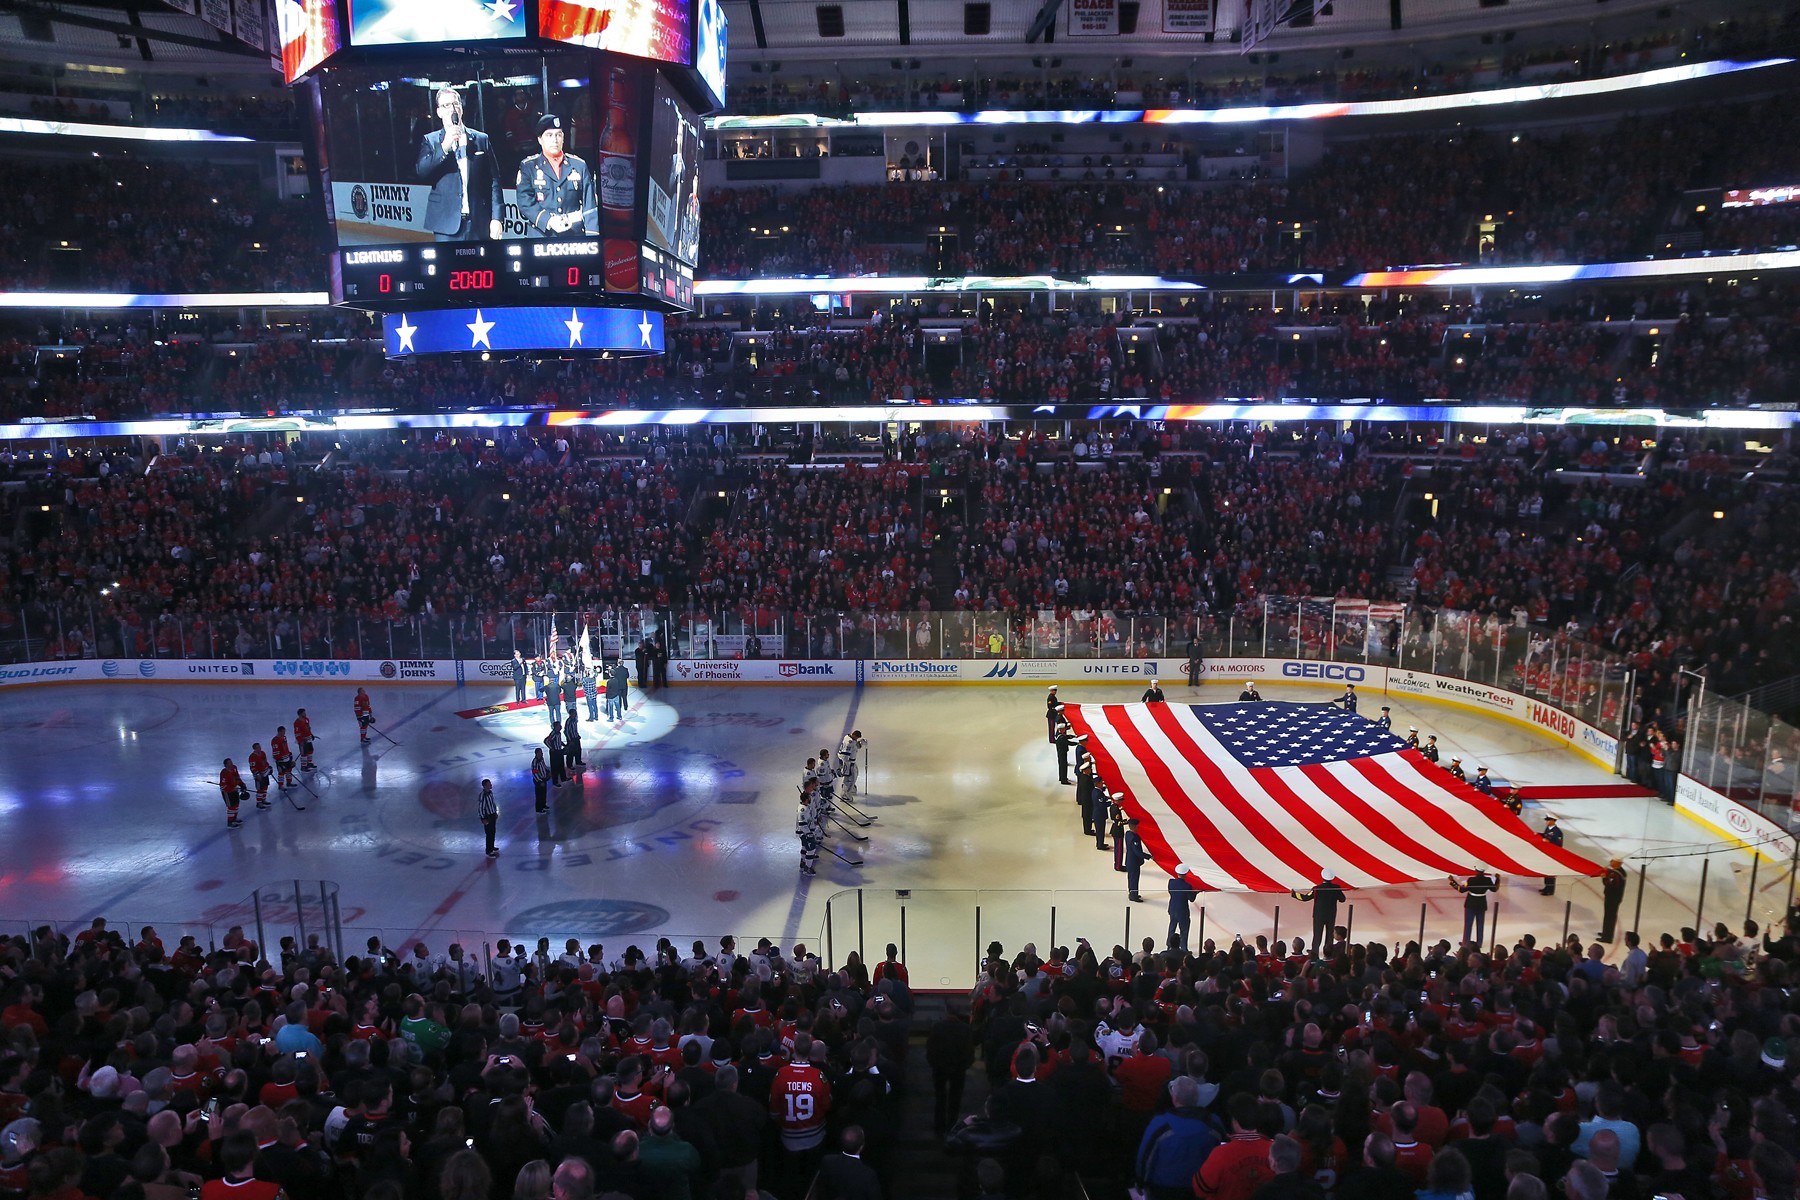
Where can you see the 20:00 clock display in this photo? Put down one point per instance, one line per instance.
(471, 281)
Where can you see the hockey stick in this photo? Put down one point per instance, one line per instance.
(289, 797)
(307, 786)
(855, 862)
(847, 829)
(390, 740)
(858, 815)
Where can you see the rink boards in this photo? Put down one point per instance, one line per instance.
(1369, 678)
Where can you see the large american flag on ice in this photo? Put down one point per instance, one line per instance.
(1264, 797)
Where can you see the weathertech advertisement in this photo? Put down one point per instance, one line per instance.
(658, 29)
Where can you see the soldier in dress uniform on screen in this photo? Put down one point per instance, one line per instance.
(556, 190)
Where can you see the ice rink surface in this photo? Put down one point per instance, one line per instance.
(682, 825)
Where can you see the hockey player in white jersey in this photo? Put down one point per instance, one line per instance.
(807, 822)
(850, 752)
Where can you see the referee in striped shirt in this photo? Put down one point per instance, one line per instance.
(489, 809)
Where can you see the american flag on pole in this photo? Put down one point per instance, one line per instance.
(1264, 797)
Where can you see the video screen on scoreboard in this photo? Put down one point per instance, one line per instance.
(672, 160)
(309, 35)
(709, 47)
(658, 29)
(466, 149)
(408, 22)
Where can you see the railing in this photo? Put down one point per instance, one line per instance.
(943, 934)
(301, 909)
(1745, 755)
(1582, 680)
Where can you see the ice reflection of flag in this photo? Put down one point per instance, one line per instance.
(1265, 797)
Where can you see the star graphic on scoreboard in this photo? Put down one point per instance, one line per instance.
(644, 328)
(575, 328)
(502, 9)
(404, 332)
(480, 330)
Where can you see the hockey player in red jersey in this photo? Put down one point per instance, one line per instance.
(365, 714)
(284, 756)
(231, 787)
(303, 734)
(259, 770)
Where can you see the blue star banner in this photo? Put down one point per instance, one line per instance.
(463, 330)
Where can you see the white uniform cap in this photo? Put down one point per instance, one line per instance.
(1181, 868)
(1327, 874)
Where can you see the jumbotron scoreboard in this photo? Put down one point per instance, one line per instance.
(484, 157)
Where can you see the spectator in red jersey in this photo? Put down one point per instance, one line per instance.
(1411, 1155)
(1239, 1166)
(890, 967)
(799, 1104)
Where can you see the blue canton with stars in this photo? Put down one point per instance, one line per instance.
(1277, 733)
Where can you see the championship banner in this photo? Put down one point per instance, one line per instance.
(217, 13)
(1189, 16)
(1261, 17)
(1093, 18)
(248, 23)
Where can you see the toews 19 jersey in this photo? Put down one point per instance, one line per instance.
(799, 1098)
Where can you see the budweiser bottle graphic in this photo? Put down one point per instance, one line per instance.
(618, 161)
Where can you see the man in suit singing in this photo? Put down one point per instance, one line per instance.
(458, 162)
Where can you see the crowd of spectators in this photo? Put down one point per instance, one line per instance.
(1587, 195)
(261, 115)
(123, 221)
(1681, 348)
(250, 549)
(1225, 1072)
(1058, 89)
(134, 223)
(128, 221)
(257, 115)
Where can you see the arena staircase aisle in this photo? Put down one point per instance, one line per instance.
(964, 516)
(921, 1164)
(923, 1167)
